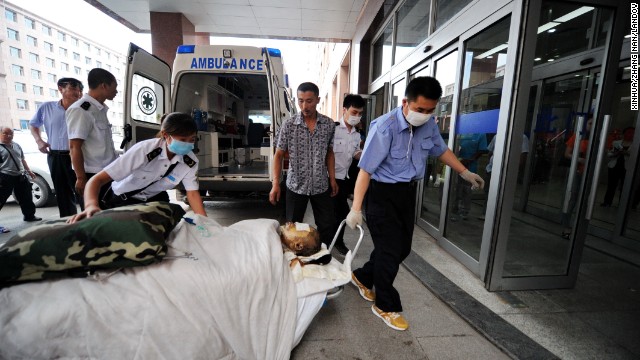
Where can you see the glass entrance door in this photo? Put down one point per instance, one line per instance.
(551, 157)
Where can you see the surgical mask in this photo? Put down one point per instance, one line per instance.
(416, 119)
(180, 147)
(353, 120)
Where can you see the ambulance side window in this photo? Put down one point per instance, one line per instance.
(147, 99)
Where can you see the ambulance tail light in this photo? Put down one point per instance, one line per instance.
(186, 49)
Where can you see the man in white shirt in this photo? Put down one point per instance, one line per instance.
(90, 139)
(346, 147)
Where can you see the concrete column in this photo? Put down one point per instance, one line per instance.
(170, 30)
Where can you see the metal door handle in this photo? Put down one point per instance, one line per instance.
(574, 163)
(599, 159)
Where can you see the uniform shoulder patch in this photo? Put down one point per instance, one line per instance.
(189, 161)
(154, 153)
(85, 105)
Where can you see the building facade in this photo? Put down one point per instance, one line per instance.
(35, 53)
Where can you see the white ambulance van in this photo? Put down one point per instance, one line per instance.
(238, 96)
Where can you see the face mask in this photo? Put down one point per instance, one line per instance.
(416, 118)
(353, 120)
(180, 147)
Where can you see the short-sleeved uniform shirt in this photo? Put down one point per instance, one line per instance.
(394, 152)
(308, 174)
(345, 145)
(92, 126)
(7, 166)
(52, 115)
(133, 170)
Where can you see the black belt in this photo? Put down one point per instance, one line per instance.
(59, 152)
(411, 183)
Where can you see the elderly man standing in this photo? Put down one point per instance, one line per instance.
(12, 166)
(51, 115)
(90, 139)
(308, 137)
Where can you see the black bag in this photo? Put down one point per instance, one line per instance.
(25, 178)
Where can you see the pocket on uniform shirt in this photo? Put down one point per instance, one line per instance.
(399, 160)
(339, 146)
(426, 145)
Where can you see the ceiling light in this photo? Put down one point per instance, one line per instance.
(627, 36)
(551, 30)
(492, 51)
(550, 60)
(572, 15)
(537, 59)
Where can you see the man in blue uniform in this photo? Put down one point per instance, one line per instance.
(51, 115)
(393, 160)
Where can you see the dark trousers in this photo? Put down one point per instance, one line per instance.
(22, 192)
(341, 207)
(615, 179)
(390, 215)
(64, 181)
(322, 206)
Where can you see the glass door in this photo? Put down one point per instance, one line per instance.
(559, 121)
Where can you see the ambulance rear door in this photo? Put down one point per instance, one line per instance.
(147, 94)
(274, 97)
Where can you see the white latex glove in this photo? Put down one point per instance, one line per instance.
(474, 179)
(354, 218)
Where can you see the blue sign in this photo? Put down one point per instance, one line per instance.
(231, 64)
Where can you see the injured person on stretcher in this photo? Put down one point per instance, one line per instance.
(237, 295)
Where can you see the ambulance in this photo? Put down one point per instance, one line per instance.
(238, 96)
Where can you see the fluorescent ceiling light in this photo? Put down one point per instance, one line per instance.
(492, 51)
(572, 15)
(537, 59)
(627, 36)
(550, 60)
(552, 30)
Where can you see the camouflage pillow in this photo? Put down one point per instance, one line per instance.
(121, 237)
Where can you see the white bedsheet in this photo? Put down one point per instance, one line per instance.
(237, 301)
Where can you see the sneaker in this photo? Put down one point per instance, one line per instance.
(341, 249)
(32, 218)
(393, 319)
(4, 230)
(364, 291)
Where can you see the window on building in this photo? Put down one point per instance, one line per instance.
(38, 104)
(13, 34)
(34, 58)
(76, 56)
(38, 90)
(87, 46)
(36, 74)
(77, 70)
(87, 60)
(107, 54)
(15, 52)
(98, 51)
(46, 29)
(32, 41)
(108, 67)
(382, 52)
(62, 36)
(48, 46)
(118, 70)
(446, 9)
(22, 104)
(10, 15)
(63, 52)
(98, 64)
(29, 23)
(50, 62)
(51, 77)
(17, 70)
(64, 66)
(53, 93)
(20, 87)
(413, 26)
